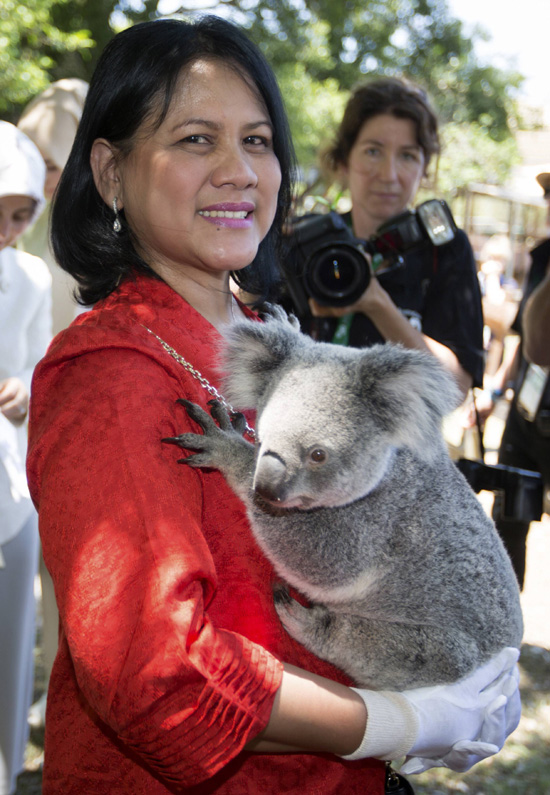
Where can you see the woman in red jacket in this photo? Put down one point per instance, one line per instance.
(173, 672)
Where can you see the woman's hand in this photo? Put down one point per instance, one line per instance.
(14, 400)
(393, 326)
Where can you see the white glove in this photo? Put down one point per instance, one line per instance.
(448, 725)
(463, 723)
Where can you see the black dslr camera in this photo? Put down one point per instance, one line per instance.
(327, 263)
(521, 490)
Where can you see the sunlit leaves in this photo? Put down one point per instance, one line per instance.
(29, 42)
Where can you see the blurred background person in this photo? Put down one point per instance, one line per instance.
(536, 323)
(498, 296)
(50, 120)
(381, 153)
(25, 331)
(525, 442)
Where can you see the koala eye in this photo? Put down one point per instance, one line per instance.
(318, 455)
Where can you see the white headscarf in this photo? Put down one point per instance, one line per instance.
(51, 118)
(22, 167)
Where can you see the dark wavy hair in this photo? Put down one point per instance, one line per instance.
(394, 96)
(132, 86)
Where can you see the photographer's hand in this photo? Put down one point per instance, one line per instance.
(393, 326)
(373, 299)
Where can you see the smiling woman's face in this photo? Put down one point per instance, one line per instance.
(384, 170)
(200, 193)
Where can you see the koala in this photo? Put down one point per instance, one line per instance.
(352, 495)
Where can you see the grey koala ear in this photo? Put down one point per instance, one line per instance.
(252, 352)
(408, 393)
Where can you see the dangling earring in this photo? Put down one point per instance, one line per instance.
(117, 226)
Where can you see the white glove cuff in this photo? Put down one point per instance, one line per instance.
(392, 726)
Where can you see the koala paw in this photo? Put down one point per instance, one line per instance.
(307, 625)
(221, 434)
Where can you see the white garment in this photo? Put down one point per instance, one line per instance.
(64, 306)
(17, 617)
(22, 168)
(25, 333)
(15, 501)
(51, 118)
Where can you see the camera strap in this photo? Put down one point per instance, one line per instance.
(341, 335)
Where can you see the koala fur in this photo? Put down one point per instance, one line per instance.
(352, 495)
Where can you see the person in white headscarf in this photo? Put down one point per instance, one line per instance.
(25, 332)
(50, 120)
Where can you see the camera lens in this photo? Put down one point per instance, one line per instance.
(336, 275)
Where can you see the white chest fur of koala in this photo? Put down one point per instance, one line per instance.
(352, 495)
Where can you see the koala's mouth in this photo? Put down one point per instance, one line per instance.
(276, 507)
(303, 503)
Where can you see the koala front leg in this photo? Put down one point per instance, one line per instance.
(308, 625)
(221, 446)
(381, 655)
(332, 637)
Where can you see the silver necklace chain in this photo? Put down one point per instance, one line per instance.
(204, 382)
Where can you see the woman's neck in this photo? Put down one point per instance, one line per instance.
(363, 225)
(208, 293)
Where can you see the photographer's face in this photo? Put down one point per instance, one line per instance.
(384, 170)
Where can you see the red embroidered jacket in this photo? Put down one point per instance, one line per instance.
(170, 648)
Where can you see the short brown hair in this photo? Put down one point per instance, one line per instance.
(397, 97)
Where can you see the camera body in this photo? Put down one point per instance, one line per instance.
(521, 489)
(327, 263)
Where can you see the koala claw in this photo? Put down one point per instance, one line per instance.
(197, 414)
(281, 594)
(202, 443)
(304, 624)
(192, 441)
(227, 422)
(221, 446)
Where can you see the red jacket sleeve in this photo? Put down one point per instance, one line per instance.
(121, 528)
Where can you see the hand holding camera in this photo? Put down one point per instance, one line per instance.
(329, 265)
(370, 303)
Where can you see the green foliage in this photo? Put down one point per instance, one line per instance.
(319, 50)
(314, 109)
(29, 44)
(353, 39)
(469, 155)
(91, 15)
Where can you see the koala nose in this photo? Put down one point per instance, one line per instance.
(269, 479)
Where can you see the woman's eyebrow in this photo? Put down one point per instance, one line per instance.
(213, 125)
(376, 142)
(196, 121)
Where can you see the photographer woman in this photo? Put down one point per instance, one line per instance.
(173, 672)
(381, 152)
